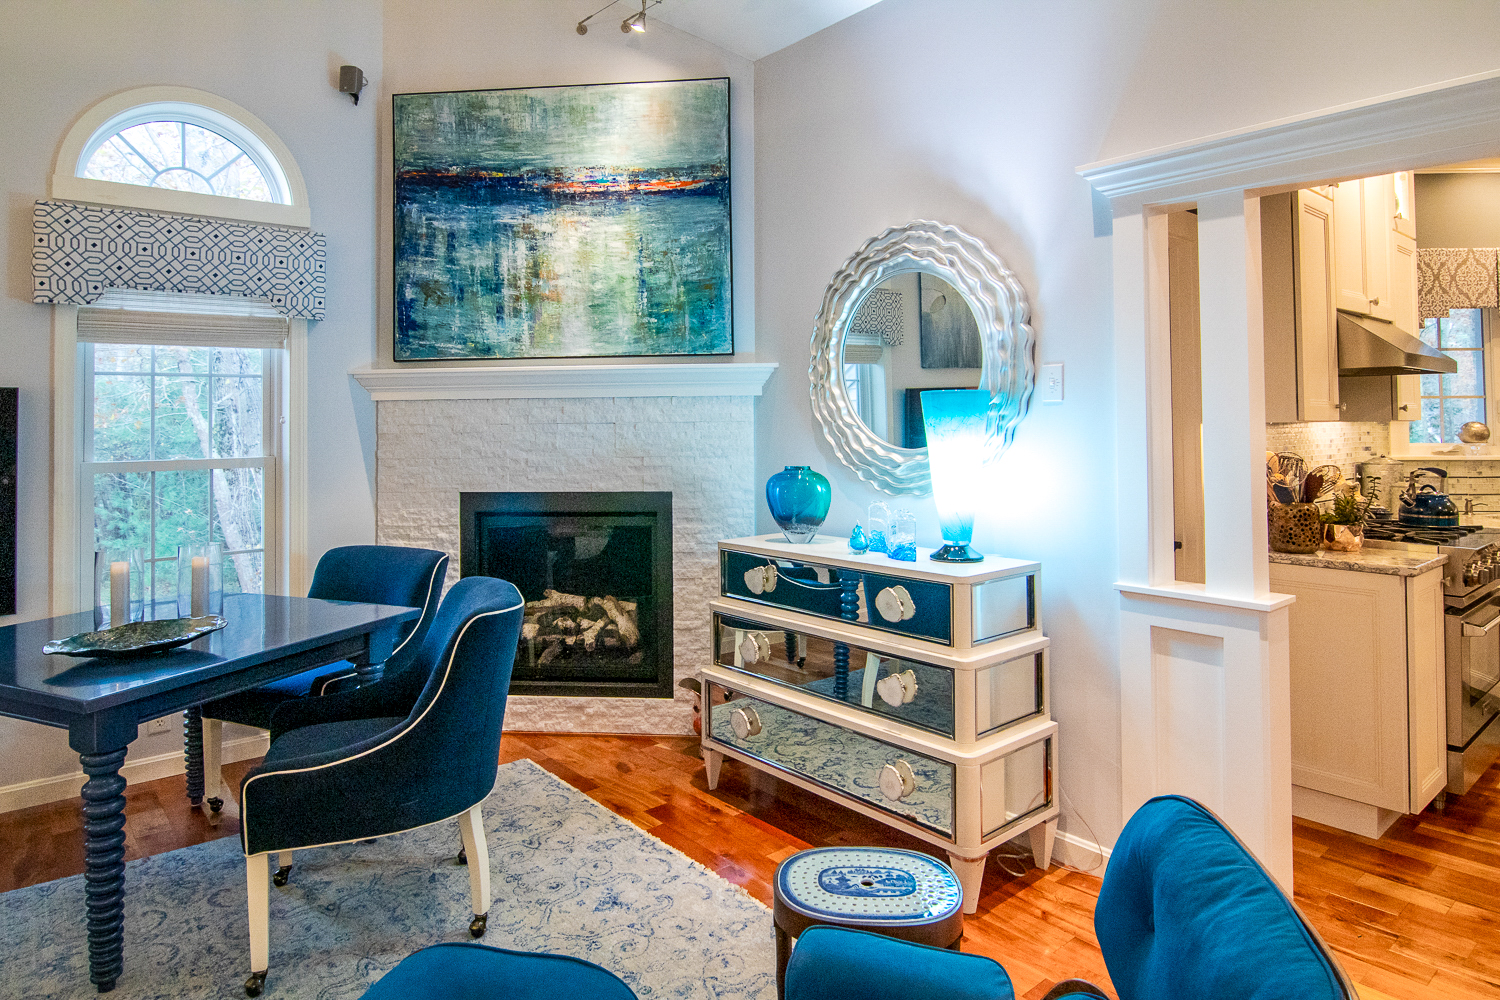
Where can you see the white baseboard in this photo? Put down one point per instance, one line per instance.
(1075, 852)
(40, 791)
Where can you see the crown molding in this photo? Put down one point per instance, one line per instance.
(565, 381)
(1449, 122)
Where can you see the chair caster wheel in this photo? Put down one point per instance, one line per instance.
(282, 876)
(255, 984)
(463, 856)
(478, 924)
(216, 804)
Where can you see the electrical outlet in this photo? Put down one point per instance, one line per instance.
(157, 726)
(1050, 385)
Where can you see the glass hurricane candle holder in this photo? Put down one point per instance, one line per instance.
(119, 586)
(200, 580)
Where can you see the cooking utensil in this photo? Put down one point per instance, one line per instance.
(1283, 493)
(1292, 469)
(1310, 486)
(1332, 483)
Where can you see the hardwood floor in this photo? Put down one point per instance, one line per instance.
(1413, 915)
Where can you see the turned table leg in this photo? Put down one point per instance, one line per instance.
(192, 750)
(104, 865)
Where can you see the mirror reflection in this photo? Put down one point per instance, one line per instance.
(912, 332)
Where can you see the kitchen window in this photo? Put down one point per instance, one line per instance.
(1450, 401)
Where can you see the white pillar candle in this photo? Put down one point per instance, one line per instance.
(119, 593)
(200, 585)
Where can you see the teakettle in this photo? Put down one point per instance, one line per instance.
(1423, 506)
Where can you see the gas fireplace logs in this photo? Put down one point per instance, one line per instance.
(567, 622)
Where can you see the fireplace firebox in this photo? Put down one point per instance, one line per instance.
(595, 570)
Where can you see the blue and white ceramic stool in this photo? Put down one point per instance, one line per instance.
(901, 894)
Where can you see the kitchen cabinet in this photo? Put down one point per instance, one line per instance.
(1352, 247)
(1367, 694)
(1297, 290)
(1364, 222)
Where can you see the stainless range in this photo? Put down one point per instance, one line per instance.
(1471, 634)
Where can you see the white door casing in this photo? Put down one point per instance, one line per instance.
(1205, 704)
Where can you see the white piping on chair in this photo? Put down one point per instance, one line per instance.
(447, 670)
(431, 582)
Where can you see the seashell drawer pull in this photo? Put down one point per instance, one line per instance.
(895, 604)
(745, 723)
(897, 780)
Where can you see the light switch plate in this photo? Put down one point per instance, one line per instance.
(1050, 385)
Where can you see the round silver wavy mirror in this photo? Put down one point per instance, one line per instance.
(927, 291)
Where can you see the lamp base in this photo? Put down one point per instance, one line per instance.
(956, 554)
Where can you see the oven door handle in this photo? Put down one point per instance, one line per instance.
(1482, 624)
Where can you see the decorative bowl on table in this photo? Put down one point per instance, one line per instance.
(137, 638)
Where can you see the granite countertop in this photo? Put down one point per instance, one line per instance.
(1388, 561)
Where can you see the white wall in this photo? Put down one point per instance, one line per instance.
(956, 114)
(436, 45)
(976, 113)
(279, 59)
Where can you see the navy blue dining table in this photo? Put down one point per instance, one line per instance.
(101, 701)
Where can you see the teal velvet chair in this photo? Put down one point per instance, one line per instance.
(408, 754)
(1185, 913)
(453, 971)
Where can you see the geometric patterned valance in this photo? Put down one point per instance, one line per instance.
(78, 251)
(879, 318)
(1457, 278)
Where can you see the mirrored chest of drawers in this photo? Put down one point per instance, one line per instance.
(914, 693)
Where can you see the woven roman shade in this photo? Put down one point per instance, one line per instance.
(127, 316)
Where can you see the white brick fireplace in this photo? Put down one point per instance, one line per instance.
(684, 428)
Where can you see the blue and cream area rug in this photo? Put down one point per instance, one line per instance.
(568, 877)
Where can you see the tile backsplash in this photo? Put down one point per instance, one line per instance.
(1346, 444)
(1332, 442)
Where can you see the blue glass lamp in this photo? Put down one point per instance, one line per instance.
(956, 436)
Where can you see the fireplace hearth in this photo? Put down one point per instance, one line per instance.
(595, 570)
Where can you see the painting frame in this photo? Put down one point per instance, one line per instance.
(514, 239)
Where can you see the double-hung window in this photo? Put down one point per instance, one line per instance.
(180, 432)
(1450, 401)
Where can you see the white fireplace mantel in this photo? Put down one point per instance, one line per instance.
(565, 381)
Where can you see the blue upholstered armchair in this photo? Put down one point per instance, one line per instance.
(373, 574)
(1185, 913)
(374, 762)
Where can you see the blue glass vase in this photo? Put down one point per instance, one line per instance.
(799, 499)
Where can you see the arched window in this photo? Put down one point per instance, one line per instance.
(169, 151)
(178, 150)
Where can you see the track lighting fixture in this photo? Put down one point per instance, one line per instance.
(635, 22)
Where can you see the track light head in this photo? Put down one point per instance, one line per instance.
(583, 29)
(636, 22)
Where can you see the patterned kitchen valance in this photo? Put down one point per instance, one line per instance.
(78, 251)
(1457, 278)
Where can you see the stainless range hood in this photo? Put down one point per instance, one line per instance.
(1371, 347)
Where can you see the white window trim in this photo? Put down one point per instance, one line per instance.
(1402, 447)
(286, 509)
(117, 111)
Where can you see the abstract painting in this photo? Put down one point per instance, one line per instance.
(950, 337)
(545, 222)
